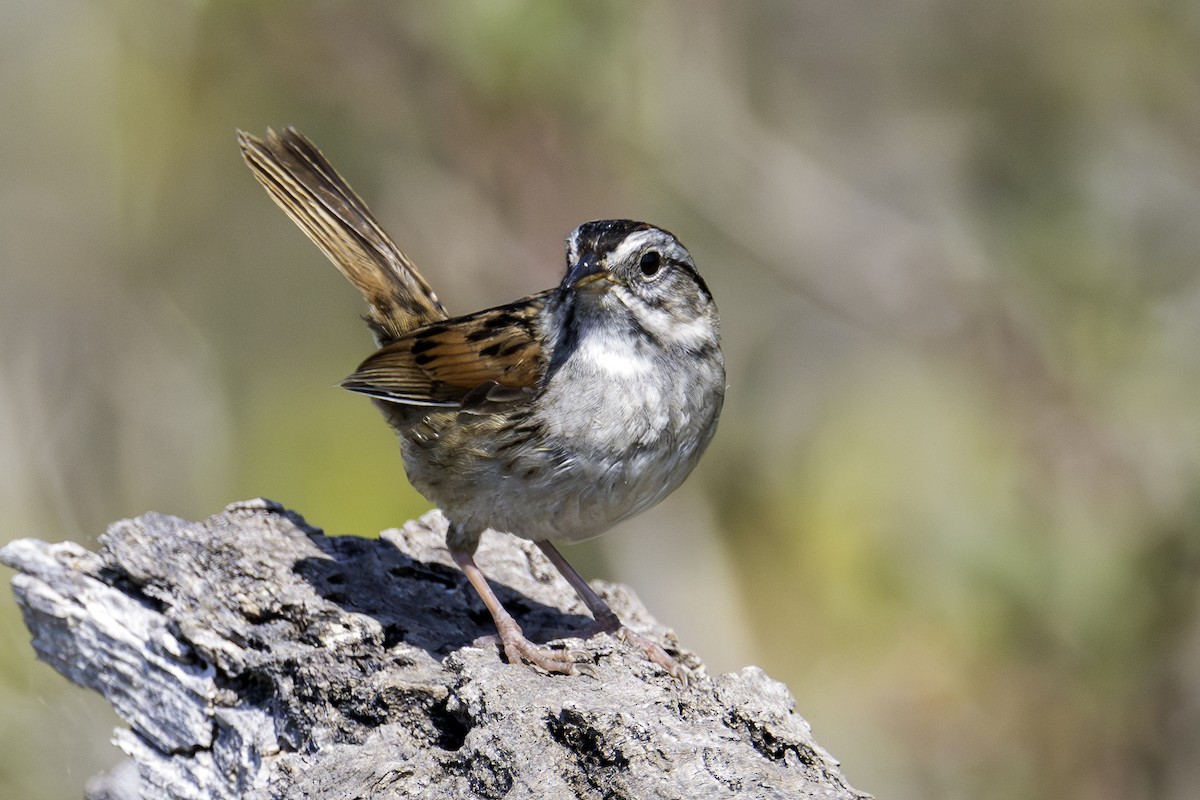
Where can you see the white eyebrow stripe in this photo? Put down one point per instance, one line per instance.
(634, 242)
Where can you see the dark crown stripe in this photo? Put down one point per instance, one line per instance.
(604, 235)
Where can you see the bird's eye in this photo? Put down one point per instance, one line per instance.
(650, 263)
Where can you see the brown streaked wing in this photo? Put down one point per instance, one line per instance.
(440, 364)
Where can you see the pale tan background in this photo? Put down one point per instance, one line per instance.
(954, 499)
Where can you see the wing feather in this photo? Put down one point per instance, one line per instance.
(445, 363)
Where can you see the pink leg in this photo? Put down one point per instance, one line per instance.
(516, 647)
(606, 620)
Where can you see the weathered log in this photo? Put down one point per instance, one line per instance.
(253, 656)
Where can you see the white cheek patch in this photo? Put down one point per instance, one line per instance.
(692, 334)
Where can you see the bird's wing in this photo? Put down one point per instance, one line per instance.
(489, 356)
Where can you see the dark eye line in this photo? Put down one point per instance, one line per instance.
(690, 270)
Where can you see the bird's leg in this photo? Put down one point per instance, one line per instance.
(516, 646)
(606, 620)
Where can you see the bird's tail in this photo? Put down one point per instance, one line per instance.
(304, 184)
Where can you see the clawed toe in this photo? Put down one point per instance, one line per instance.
(517, 649)
(520, 649)
(655, 654)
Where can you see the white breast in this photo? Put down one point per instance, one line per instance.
(614, 356)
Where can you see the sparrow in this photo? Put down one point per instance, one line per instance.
(553, 417)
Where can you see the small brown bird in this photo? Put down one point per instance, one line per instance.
(553, 417)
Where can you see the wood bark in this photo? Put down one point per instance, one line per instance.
(253, 656)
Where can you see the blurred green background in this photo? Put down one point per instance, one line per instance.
(954, 499)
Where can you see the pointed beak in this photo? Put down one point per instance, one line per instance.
(585, 271)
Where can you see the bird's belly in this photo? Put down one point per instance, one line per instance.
(572, 493)
(581, 465)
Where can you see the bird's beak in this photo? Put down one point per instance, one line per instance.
(587, 270)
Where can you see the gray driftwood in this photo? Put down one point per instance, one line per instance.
(253, 656)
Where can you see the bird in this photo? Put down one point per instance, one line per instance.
(551, 418)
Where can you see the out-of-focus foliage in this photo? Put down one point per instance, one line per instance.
(954, 499)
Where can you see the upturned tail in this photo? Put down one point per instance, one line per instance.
(304, 184)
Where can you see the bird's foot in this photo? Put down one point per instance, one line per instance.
(607, 621)
(655, 654)
(519, 649)
(611, 624)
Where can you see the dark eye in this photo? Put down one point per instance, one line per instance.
(650, 264)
